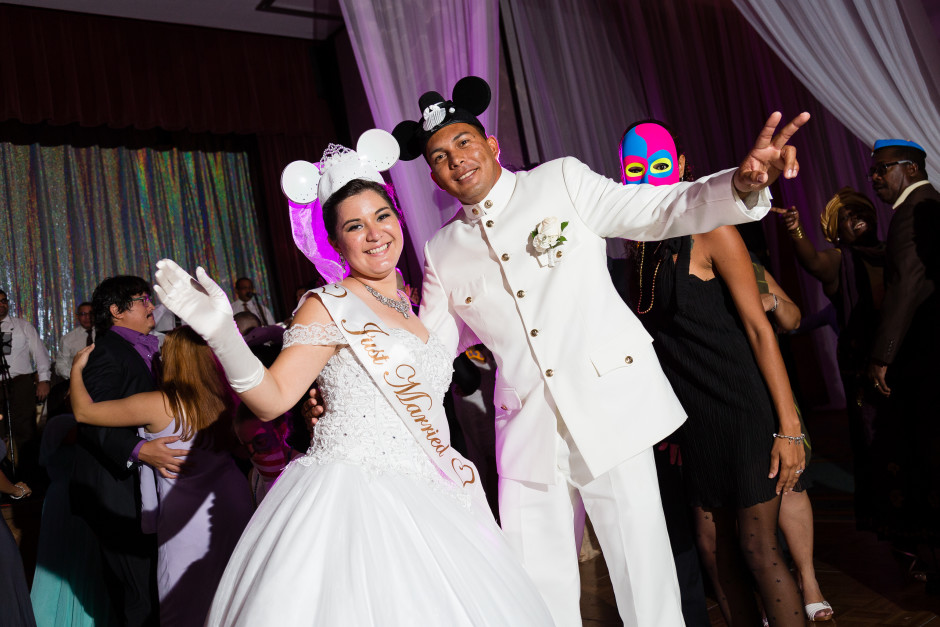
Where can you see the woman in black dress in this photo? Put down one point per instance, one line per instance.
(742, 446)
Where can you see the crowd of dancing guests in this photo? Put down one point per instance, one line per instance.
(184, 487)
(145, 497)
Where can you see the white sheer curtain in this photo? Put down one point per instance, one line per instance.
(874, 63)
(579, 77)
(405, 48)
(577, 80)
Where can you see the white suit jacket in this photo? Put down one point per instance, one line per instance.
(566, 345)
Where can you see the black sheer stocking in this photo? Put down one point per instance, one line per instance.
(717, 539)
(735, 542)
(757, 526)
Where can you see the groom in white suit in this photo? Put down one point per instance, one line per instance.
(580, 395)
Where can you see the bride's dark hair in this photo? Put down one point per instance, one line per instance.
(350, 189)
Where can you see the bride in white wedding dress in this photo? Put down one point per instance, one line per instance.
(381, 522)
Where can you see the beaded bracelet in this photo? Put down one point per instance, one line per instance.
(792, 438)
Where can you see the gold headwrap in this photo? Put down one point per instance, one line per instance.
(846, 197)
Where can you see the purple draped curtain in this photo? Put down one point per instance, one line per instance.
(701, 68)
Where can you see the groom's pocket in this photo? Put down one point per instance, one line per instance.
(621, 354)
(468, 302)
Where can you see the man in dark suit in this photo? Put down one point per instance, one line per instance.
(105, 487)
(904, 364)
(911, 309)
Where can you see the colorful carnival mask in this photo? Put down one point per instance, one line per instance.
(648, 155)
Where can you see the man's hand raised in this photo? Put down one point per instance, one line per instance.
(770, 156)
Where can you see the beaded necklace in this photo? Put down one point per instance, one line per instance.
(639, 300)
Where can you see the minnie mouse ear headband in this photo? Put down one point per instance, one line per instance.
(471, 97)
(308, 186)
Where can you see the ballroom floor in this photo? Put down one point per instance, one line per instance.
(864, 581)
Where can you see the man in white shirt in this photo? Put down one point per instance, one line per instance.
(26, 358)
(247, 300)
(75, 340)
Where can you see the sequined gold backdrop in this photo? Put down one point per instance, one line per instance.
(71, 216)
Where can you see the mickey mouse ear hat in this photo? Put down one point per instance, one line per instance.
(308, 185)
(470, 98)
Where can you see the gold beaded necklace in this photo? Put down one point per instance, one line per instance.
(639, 300)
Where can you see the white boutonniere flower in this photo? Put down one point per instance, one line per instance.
(548, 235)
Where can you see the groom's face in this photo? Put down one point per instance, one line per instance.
(463, 162)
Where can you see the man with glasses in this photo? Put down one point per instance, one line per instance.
(898, 175)
(904, 361)
(104, 489)
(27, 381)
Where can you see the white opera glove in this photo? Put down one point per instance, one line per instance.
(205, 307)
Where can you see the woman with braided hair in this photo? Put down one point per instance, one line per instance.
(852, 277)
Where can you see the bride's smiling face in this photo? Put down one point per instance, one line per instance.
(368, 234)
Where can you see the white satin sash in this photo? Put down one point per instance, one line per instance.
(402, 382)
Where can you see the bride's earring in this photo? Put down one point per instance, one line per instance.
(342, 260)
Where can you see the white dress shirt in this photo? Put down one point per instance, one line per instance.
(72, 342)
(28, 354)
(254, 306)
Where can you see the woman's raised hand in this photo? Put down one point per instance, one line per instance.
(201, 304)
(204, 306)
(791, 217)
(81, 357)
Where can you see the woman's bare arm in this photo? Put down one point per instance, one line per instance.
(822, 264)
(294, 370)
(730, 260)
(786, 315)
(148, 409)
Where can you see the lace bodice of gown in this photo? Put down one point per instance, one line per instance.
(359, 426)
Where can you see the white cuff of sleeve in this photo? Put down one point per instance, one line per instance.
(243, 369)
(251, 379)
(755, 205)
